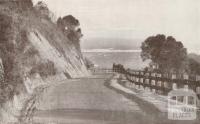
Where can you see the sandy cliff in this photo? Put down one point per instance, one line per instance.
(35, 52)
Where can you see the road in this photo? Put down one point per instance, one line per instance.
(92, 101)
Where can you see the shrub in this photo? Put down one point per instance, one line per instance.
(89, 64)
(44, 69)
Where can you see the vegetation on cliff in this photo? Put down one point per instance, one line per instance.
(70, 26)
(21, 58)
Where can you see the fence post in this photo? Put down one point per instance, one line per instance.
(159, 83)
(153, 83)
(149, 77)
(174, 85)
(198, 87)
(165, 83)
(186, 77)
(133, 79)
(142, 81)
(146, 82)
(137, 80)
(156, 83)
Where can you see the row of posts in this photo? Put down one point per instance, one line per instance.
(157, 82)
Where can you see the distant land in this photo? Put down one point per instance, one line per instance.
(108, 44)
(111, 44)
(194, 56)
(109, 51)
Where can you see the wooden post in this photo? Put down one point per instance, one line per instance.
(156, 83)
(198, 91)
(142, 83)
(159, 82)
(153, 83)
(132, 78)
(150, 81)
(139, 79)
(198, 87)
(174, 85)
(165, 87)
(186, 77)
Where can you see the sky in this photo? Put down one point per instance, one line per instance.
(135, 19)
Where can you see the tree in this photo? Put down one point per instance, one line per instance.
(59, 22)
(166, 54)
(42, 9)
(70, 26)
(68, 22)
(26, 4)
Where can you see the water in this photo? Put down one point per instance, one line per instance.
(130, 60)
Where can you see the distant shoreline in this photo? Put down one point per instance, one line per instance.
(109, 51)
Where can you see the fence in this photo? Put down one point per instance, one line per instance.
(161, 83)
(101, 70)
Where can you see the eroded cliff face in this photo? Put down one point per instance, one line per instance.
(35, 53)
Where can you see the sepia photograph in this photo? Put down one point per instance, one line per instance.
(99, 61)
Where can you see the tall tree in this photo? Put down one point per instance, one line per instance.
(166, 54)
(70, 26)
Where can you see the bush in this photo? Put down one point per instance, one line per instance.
(89, 64)
(42, 10)
(31, 52)
(44, 69)
(6, 93)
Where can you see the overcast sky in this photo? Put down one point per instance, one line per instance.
(135, 19)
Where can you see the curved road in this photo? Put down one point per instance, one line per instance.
(90, 101)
